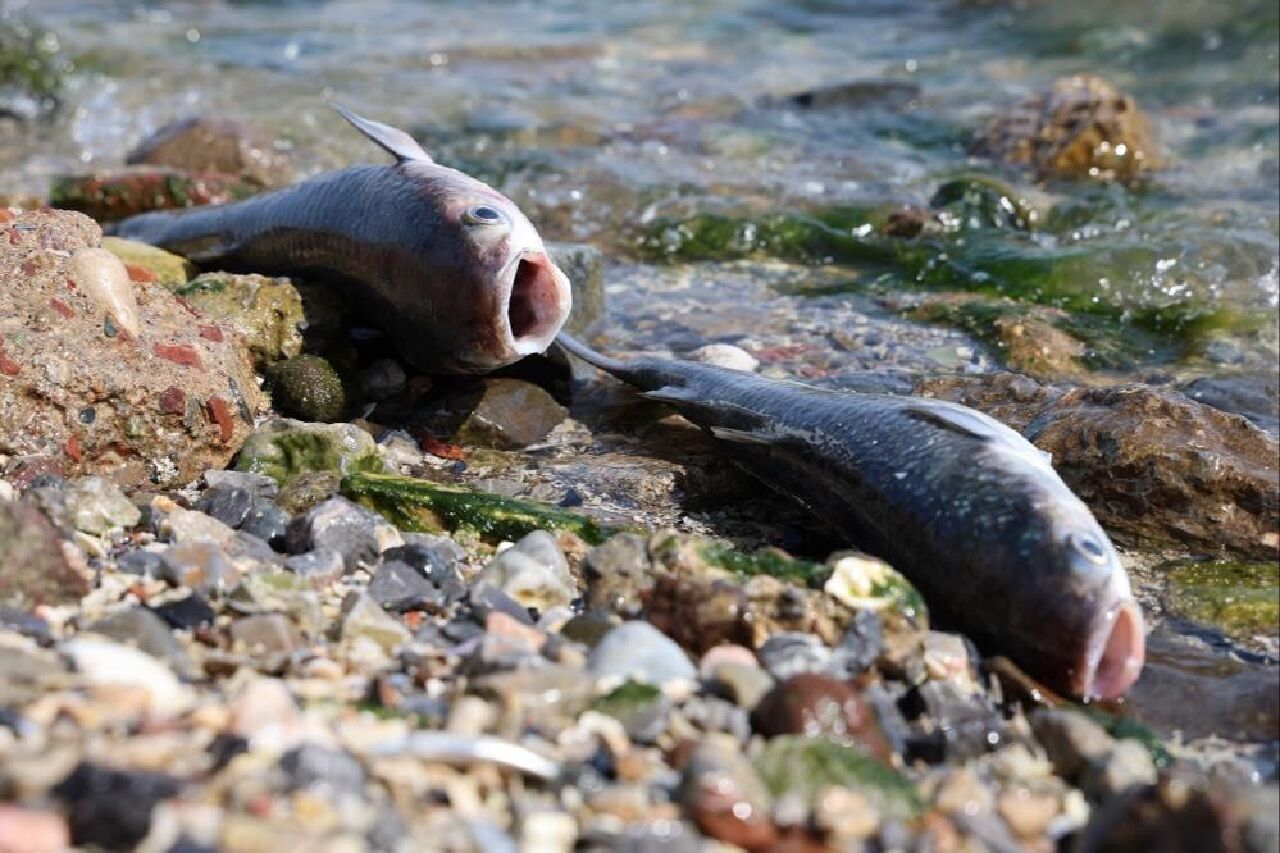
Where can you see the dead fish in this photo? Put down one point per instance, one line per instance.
(448, 266)
(968, 510)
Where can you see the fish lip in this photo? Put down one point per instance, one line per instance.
(1116, 654)
(544, 308)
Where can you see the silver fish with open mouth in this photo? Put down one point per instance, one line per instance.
(448, 266)
(968, 510)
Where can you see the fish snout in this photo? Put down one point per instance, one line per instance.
(1119, 654)
(537, 303)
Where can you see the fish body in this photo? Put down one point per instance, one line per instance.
(968, 510)
(449, 267)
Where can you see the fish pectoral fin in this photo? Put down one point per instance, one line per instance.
(740, 436)
(671, 394)
(394, 141)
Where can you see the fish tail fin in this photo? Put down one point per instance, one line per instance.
(577, 348)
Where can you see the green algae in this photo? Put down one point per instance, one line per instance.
(764, 562)
(628, 701)
(1127, 728)
(285, 450)
(973, 202)
(804, 766)
(1240, 599)
(307, 387)
(419, 505)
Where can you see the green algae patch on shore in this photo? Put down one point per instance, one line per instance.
(423, 506)
(795, 765)
(287, 449)
(1242, 600)
(766, 561)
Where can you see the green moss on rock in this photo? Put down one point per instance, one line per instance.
(307, 387)
(419, 505)
(805, 766)
(285, 449)
(1240, 599)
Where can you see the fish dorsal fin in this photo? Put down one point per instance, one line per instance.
(957, 419)
(394, 141)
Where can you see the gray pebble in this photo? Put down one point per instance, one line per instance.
(640, 652)
(791, 653)
(268, 522)
(398, 587)
(228, 504)
(258, 485)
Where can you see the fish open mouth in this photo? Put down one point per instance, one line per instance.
(1121, 656)
(538, 304)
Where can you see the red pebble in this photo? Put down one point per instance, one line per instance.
(8, 366)
(139, 274)
(211, 333)
(62, 308)
(14, 237)
(72, 448)
(187, 305)
(436, 447)
(178, 354)
(221, 414)
(173, 400)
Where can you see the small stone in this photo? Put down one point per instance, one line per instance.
(104, 278)
(200, 564)
(1028, 813)
(268, 637)
(165, 267)
(788, 654)
(26, 830)
(146, 631)
(543, 830)
(33, 567)
(1071, 740)
(307, 491)
(818, 706)
(534, 572)
(308, 388)
(103, 662)
(806, 767)
(367, 619)
(228, 504)
(726, 356)
(310, 766)
(149, 564)
(744, 685)
(96, 505)
(383, 379)
(187, 613)
(177, 524)
(859, 646)
(638, 651)
(619, 571)
(217, 145)
(111, 809)
(258, 485)
(721, 793)
(436, 558)
(399, 587)
(262, 704)
(25, 624)
(320, 568)
(1129, 764)
(485, 598)
(268, 522)
(358, 534)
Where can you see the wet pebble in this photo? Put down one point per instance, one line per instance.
(640, 652)
(397, 586)
(726, 356)
(720, 792)
(366, 619)
(258, 485)
(787, 654)
(534, 572)
(818, 706)
(268, 522)
(358, 534)
(228, 504)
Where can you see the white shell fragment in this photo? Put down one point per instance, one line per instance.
(102, 276)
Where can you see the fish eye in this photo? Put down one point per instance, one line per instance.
(483, 214)
(1088, 546)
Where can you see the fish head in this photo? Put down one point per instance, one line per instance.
(1109, 660)
(507, 298)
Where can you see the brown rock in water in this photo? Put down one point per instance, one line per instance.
(1083, 127)
(33, 568)
(208, 144)
(119, 193)
(819, 706)
(509, 414)
(79, 394)
(1152, 464)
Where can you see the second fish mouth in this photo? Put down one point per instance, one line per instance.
(537, 304)
(1120, 655)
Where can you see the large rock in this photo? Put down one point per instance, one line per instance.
(82, 394)
(268, 312)
(120, 193)
(1151, 463)
(208, 144)
(1083, 127)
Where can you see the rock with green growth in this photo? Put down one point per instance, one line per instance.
(794, 765)
(308, 388)
(1242, 600)
(267, 312)
(973, 202)
(420, 505)
(120, 193)
(168, 269)
(33, 71)
(285, 449)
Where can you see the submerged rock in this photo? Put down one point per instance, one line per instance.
(116, 194)
(1240, 599)
(211, 144)
(1152, 464)
(1083, 127)
(83, 395)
